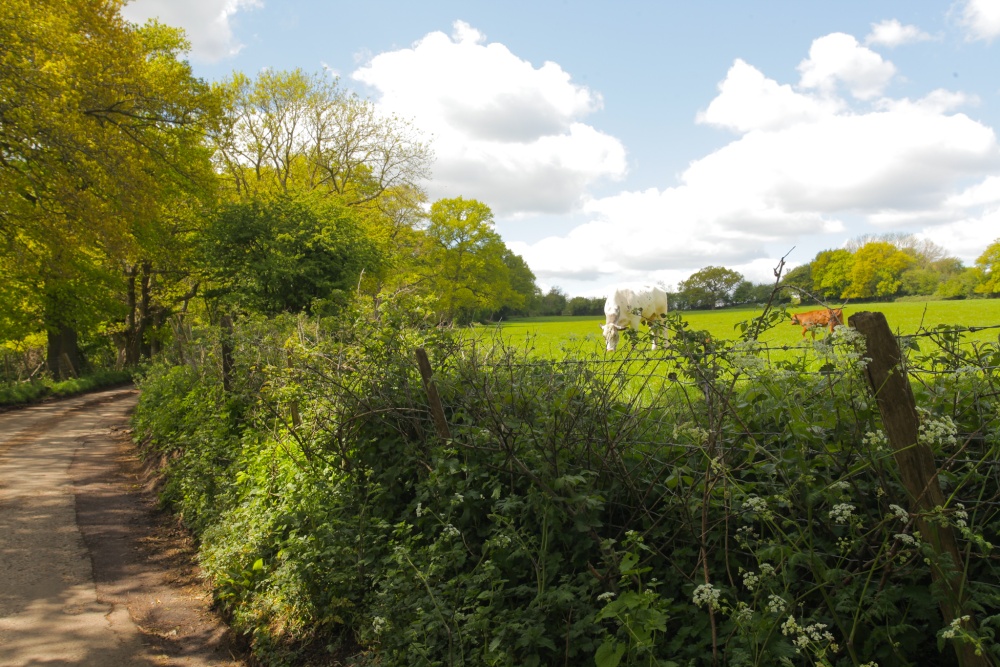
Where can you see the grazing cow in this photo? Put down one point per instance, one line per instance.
(818, 318)
(625, 308)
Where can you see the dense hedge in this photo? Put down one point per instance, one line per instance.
(717, 510)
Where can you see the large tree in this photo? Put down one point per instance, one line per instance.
(877, 271)
(989, 264)
(289, 130)
(97, 118)
(710, 287)
(285, 253)
(831, 273)
(465, 261)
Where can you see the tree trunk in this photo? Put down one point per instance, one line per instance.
(63, 355)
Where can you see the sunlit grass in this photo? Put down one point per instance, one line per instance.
(557, 337)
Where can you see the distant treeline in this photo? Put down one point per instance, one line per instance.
(881, 267)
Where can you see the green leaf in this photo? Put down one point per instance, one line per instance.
(609, 654)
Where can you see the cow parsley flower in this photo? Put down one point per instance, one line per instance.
(899, 513)
(940, 431)
(955, 627)
(876, 441)
(743, 614)
(604, 597)
(707, 595)
(842, 512)
(776, 604)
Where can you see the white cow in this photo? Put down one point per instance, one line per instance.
(625, 308)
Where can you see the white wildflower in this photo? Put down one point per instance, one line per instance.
(876, 441)
(954, 627)
(842, 512)
(707, 595)
(604, 597)
(899, 513)
(379, 624)
(776, 604)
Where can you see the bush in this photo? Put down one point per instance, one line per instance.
(627, 511)
(20, 393)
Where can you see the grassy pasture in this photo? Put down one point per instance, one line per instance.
(559, 336)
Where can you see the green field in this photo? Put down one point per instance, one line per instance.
(554, 335)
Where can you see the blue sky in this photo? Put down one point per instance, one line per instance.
(635, 142)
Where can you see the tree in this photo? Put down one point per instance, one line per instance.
(553, 303)
(524, 291)
(877, 270)
(99, 117)
(710, 287)
(831, 273)
(989, 264)
(464, 262)
(747, 292)
(285, 254)
(800, 279)
(962, 285)
(290, 130)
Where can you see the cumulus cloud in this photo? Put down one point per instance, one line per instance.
(892, 33)
(816, 158)
(500, 125)
(206, 22)
(838, 59)
(748, 100)
(980, 18)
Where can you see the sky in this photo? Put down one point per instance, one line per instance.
(640, 141)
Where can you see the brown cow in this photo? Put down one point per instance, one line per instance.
(819, 318)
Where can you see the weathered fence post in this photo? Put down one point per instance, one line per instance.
(433, 399)
(917, 469)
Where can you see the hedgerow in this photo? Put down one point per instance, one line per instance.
(613, 510)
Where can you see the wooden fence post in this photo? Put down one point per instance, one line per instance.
(437, 410)
(917, 469)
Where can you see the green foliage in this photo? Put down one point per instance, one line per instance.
(593, 510)
(286, 254)
(710, 287)
(989, 264)
(19, 393)
(466, 263)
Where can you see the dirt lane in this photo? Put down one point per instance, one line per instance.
(90, 575)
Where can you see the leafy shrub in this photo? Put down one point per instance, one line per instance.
(19, 393)
(713, 509)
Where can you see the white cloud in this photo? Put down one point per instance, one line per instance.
(748, 100)
(500, 125)
(807, 164)
(967, 238)
(892, 33)
(980, 18)
(206, 22)
(839, 59)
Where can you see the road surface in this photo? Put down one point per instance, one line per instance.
(91, 574)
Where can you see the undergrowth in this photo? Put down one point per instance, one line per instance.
(21, 393)
(585, 511)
